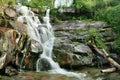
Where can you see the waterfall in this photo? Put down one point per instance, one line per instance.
(44, 35)
(62, 3)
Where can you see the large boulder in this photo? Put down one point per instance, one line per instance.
(15, 48)
(29, 49)
(22, 29)
(8, 38)
(67, 53)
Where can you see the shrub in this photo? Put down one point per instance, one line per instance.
(112, 16)
(96, 37)
(42, 4)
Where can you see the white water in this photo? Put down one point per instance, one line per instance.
(61, 3)
(44, 35)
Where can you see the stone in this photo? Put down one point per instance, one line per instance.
(82, 48)
(35, 47)
(22, 28)
(67, 10)
(8, 43)
(67, 53)
(67, 25)
(10, 12)
(44, 64)
(10, 71)
(70, 38)
(98, 24)
(13, 44)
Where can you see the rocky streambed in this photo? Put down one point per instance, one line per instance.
(92, 74)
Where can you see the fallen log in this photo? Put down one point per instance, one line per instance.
(105, 55)
(95, 50)
(109, 70)
(112, 61)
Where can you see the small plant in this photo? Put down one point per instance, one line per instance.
(97, 38)
(117, 46)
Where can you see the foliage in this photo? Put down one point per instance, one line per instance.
(112, 16)
(83, 4)
(3, 3)
(42, 4)
(97, 38)
(9, 2)
(116, 47)
(90, 5)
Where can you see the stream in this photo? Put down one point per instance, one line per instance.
(92, 74)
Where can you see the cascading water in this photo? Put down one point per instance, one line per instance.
(61, 3)
(44, 35)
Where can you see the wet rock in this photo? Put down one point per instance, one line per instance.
(44, 64)
(28, 48)
(15, 44)
(41, 76)
(10, 71)
(22, 28)
(35, 47)
(29, 61)
(8, 43)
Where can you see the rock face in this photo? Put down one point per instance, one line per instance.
(70, 49)
(8, 43)
(17, 50)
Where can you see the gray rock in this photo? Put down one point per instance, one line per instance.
(79, 25)
(98, 24)
(44, 64)
(70, 36)
(82, 48)
(67, 52)
(10, 71)
(35, 47)
(67, 10)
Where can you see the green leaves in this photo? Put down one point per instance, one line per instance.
(111, 15)
(96, 37)
(42, 4)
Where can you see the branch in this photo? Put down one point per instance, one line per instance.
(103, 54)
